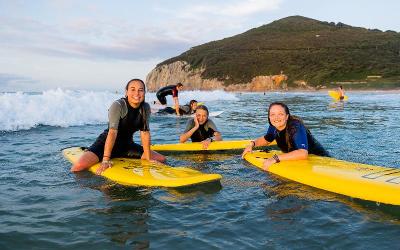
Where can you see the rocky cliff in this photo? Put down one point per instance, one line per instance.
(181, 71)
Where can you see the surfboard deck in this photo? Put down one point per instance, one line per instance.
(133, 172)
(362, 181)
(335, 95)
(198, 146)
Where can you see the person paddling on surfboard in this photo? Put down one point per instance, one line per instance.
(341, 92)
(126, 116)
(170, 90)
(291, 136)
(201, 129)
(187, 109)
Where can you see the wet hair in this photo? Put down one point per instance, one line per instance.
(289, 129)
(179, 85)
(191, 102)
(203, 107)
(341, 86)
(142, 110)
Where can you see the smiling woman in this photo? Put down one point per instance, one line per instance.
(201, 129)
(292, 137)
(126, 116)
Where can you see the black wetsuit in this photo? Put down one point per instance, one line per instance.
(168, 90)
(203, 132)
(130, 120)
(299, 137)
(183, 110)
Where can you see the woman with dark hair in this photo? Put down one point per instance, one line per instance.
(291, 136)
(126, 116)
(201, 129)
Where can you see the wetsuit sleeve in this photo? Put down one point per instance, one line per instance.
(271, 134)
(146, 117)
(189, 125)
(212, 125)
(114, 115)
(175, 92)
(300, 136)
(185, 109)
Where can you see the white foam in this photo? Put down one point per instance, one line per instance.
(19, 111)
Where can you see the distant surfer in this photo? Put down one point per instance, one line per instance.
(126, 116)
(290, 134)
(170, 90)
(341, 92)
(201, 129)
(187, 109)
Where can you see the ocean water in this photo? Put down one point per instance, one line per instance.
(45, 206)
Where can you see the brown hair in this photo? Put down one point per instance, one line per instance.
(289, 129)
(142, 110)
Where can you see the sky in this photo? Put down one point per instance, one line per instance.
(100, 45)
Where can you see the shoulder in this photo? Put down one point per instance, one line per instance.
(118, 105)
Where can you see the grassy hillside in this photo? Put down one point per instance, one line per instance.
(304, 48)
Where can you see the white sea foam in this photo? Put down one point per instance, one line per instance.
(65, 108)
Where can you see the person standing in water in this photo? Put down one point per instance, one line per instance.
(291, 136)
(201, 129)
(341, 92)
(126, 116)
(170, 90)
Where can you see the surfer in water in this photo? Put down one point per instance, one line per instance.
(170, 90)
(341, 93)
(187, 109)
(201, 129)
(291, 136)
(126, 116)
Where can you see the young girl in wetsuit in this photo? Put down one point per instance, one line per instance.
(201, 129)
(292, 137)
(126, 116)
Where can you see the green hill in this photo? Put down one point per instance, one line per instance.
(305, 49)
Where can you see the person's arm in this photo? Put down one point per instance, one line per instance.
(189, 132)
(256, 143)
(108, 146)
(145, 138)
(300, 145)
(298, 154)
(176, 101)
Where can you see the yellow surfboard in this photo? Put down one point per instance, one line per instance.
(367, 182)
(198, 146)
(133, 172)
(336, 96)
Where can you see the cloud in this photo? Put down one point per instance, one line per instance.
(90, 40)
(10, 81)
(238, 9)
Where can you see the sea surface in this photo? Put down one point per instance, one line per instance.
(45, 206)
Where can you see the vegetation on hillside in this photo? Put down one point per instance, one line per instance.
(305, 49)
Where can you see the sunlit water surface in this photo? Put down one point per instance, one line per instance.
(45, 206)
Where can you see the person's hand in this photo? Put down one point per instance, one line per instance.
(267, 163)
(103, 166)
(206, 143)
(248, 149)
(196, 122)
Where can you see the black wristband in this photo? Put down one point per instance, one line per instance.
(276, 158)
(253, 143)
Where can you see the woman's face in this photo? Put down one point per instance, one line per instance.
(135, 93)
(278, 117)
(201, 116)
